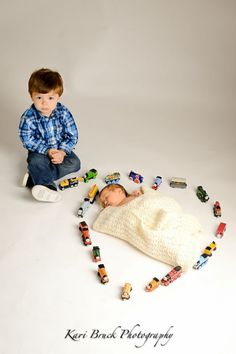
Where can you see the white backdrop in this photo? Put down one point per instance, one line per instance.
(151, 85)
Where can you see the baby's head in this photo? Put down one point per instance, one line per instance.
(112, 195)
(45, 88)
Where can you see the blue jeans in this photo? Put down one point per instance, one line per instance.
(43, 171)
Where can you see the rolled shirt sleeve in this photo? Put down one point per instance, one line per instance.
(29, 137)
(70, 134)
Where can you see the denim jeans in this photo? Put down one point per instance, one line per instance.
(43, 171)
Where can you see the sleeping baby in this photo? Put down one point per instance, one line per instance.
(116, 195)
(152, 222)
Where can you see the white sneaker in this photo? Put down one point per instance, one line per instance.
(45, 194)
(25, 179)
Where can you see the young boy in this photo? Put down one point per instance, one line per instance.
(49, 133)
(116, 195)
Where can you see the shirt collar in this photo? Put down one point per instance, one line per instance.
(40, 116)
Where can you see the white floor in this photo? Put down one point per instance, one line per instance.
(152, 87)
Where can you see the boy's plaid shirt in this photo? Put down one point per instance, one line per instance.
(39, 133)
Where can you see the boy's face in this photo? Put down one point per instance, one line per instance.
(112, 197)
(45, 103)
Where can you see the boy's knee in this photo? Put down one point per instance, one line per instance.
(36, 159)
(71, 163)
(77, 164)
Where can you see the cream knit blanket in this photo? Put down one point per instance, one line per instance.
(156, 225)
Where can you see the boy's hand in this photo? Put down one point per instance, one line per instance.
(56, 156)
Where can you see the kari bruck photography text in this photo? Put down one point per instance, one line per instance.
(136, 335)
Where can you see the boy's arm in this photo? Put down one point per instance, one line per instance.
(28, 138)
(70, 132)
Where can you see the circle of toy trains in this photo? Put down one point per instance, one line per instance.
(114, 178)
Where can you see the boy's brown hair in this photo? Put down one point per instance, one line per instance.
(44, 81)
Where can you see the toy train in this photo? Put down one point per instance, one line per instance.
(83, 227)
(112, 178)
(171, 276)
(96, 254)
(91, 174)
(136, 177)
(125, 295)
(154, 283)
(157, 182)
(207, 253)
(102, 274)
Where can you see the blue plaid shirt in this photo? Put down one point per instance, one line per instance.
(39, 133)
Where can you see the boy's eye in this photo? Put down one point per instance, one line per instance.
(51, 98)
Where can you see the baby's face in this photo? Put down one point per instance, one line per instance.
(112, 197)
